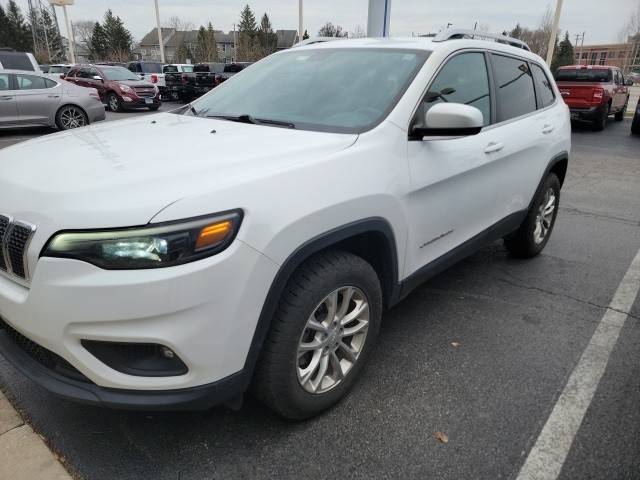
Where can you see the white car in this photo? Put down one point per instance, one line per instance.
(56, 72)
(322, 184)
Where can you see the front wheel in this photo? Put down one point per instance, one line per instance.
(325, 326)
(113, 102)
(532, 236)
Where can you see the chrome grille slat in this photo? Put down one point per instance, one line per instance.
(15, 237)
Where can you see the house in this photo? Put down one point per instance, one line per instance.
(149, 48)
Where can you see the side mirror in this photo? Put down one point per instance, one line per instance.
(97, 77)
(629, 83)
(450, 120)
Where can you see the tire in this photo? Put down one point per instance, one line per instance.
(113, 103)
(280, 380)
(601, 122)
(528, 241)
(154, 108)
(71, 116)
(635, 125)
(620, 115)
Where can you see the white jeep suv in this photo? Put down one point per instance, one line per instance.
(253, 239)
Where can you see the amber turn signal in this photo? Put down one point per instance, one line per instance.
(212, 235)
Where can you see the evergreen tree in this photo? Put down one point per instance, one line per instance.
(18, 32)
(97, 45)
(118, 38)
(516, 32)
(248, 49)
(563, 54)
(55, 49)
(4, 28)
(266, 37)
(305, 36)
(207, 47)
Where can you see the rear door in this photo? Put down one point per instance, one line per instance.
(38, 99)
(8, 104)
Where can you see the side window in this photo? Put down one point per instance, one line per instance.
(49, 83)
(4, 81)
(83, 73)
(31, 82)
(616, 78)
(463, 79)
(514, 87)
(546, 96)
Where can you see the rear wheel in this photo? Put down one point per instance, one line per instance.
(113, 102)
(620, 115)
(71, 116)
(532, 236)
(601, 122)
(323, 331)
(635, 125)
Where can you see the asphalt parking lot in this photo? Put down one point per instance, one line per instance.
(518, 329)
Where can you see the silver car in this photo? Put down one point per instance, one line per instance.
(28, 99)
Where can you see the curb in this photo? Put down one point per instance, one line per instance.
(23, 453)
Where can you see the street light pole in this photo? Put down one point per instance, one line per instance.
(160, 40)
(300, 21)
(70, 36)
(554, 32)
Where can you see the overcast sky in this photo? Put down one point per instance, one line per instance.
(600, 19)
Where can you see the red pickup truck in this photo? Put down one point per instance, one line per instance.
(594, 92)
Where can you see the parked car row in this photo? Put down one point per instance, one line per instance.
(186, 86)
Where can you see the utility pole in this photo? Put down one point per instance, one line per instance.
(160, 40)
(378, 18)
(235, 44)
(300, 20)
(579, 47)
(554, 32)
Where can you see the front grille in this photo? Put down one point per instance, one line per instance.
(4, 226)
(44, 357)
(145, 91)
(14, 241)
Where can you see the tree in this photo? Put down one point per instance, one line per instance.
(632, 27)
(516, 32)
(248, 49)
(118, 38)
(55, 49)
(305, 36)
(563, 54)
(207, 47)
(97, 45)
(331, 30)
(267, 39)
(538, 39)
(4, 28)
(358, 32)
(17, 31)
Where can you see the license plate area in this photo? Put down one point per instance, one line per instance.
(148, 101)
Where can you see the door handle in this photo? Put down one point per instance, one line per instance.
(494, 147)
(53, 96)
(6, 97)
(548, 129)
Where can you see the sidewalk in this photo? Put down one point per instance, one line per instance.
(23, 454)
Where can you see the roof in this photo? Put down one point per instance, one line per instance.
(588, 67)
(422, 43)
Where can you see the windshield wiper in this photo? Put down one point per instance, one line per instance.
(246, 118)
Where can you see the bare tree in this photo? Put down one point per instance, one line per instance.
(358, 32)
(331, 30)
(83, 30)
(632, 27)
(538, 39)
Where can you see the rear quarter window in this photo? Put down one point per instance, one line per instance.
(514, 87)
(544, 88)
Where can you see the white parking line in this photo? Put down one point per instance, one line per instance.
(548, 455)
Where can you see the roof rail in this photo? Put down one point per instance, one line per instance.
(312, 40)
(457, 33)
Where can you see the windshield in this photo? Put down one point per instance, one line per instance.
(583, 75)
(177, 69)
(336, 90)
(151, 67)
(118, 73)
(59, 69)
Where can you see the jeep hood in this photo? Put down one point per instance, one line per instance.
(122, 173)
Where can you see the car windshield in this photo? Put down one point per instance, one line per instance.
(583, 75)
(59, 69)
(345, 90)
(118, 73)
(151, 67)
(177, 69)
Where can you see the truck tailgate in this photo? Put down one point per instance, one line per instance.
(578, 95)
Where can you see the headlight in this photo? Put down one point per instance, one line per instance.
(162, 245)
(125, 88)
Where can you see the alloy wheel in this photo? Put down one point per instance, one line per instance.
(544, 218)
(72, 118)
(333, 339)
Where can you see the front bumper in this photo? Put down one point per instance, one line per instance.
(205, 311)
(133, 101)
